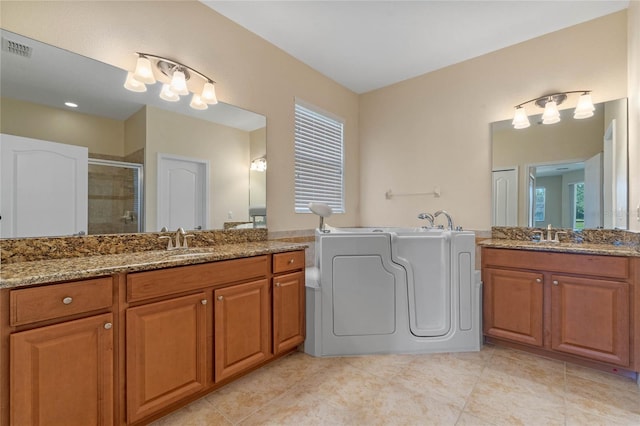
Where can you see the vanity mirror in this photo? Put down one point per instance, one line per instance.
(148, 149)
(571, 174)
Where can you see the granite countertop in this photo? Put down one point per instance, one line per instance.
(20, 274)
(564, 247)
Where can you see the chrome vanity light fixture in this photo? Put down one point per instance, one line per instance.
(550, 103)
(174, 75)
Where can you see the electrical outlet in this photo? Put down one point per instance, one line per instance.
(230, 215)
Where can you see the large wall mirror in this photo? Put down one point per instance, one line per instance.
(572, 174)
(132, 142)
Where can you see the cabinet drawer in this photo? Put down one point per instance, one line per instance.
(289, 261)
(146, 285)
(54, 301)
(581, 264)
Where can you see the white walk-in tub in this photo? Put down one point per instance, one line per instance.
(393, 290)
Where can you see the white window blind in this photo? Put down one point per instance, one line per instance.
(319, 160)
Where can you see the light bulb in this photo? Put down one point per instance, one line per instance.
(143, 72)
(209, 93)
(585, 107)
(520, 119)
(168, 95)
(134, 85)
(197, 103)
(179, 83)
(551, 114)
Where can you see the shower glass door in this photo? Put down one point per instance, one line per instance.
(115, 197)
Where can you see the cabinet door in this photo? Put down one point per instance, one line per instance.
(242, 327)
(288, 311)
(513, 305)
(166, 353)
(63, 374)
(590, 318)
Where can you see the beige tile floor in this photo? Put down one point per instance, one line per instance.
(495, 386)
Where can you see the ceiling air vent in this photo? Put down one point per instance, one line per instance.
(16, 48)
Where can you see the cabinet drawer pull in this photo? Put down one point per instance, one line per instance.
(220, 298)
(108, 326)
(277, 284)
(291, 260)
(538, 280)
(555, 282)
(67, 300)
(203, 301)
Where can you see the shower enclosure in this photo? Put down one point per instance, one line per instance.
(115, 197)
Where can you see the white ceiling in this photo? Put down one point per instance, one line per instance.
(365, 45)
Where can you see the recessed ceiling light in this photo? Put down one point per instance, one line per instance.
(71, 104)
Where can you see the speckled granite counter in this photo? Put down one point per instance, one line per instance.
(44, 271)
(594, 241)
(584, 248)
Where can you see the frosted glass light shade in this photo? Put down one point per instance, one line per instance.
(168, 95)
(197, 103)
(209, 94)
(585, 107)
(259, 164)
(551, 114)
(520, 119)
(134, 85)
(179, 83)
(143, 72)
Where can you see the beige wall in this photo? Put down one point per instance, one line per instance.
(250, 72)
(429, 131)
(433, 130)
(102, 136)
(225, 148)
(634, 113)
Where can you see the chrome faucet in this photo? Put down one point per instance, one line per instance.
(449, 220)
(428, 217)
(178, 244)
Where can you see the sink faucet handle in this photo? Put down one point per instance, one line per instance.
(556, 239)
(169, 244)
(540, 235)
(184, 240)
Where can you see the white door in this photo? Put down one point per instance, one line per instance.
(505, 197)
(182, 192)
(593, 192)
(43, 188)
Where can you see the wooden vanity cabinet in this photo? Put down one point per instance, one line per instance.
(242, 326)
(513, 305)
(571, 304)
(288, 301)
(166, 353)
(61, 354)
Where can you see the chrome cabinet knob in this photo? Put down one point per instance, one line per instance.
(291, 260)
(67, 300)
(538, 280)
(220, 298)
(555, 282)
(108, 326)
(203, 301)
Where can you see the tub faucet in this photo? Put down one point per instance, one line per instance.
(428, 217)
(449, 220)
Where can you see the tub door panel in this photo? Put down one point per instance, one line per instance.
(363, 296)
(427, 260)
